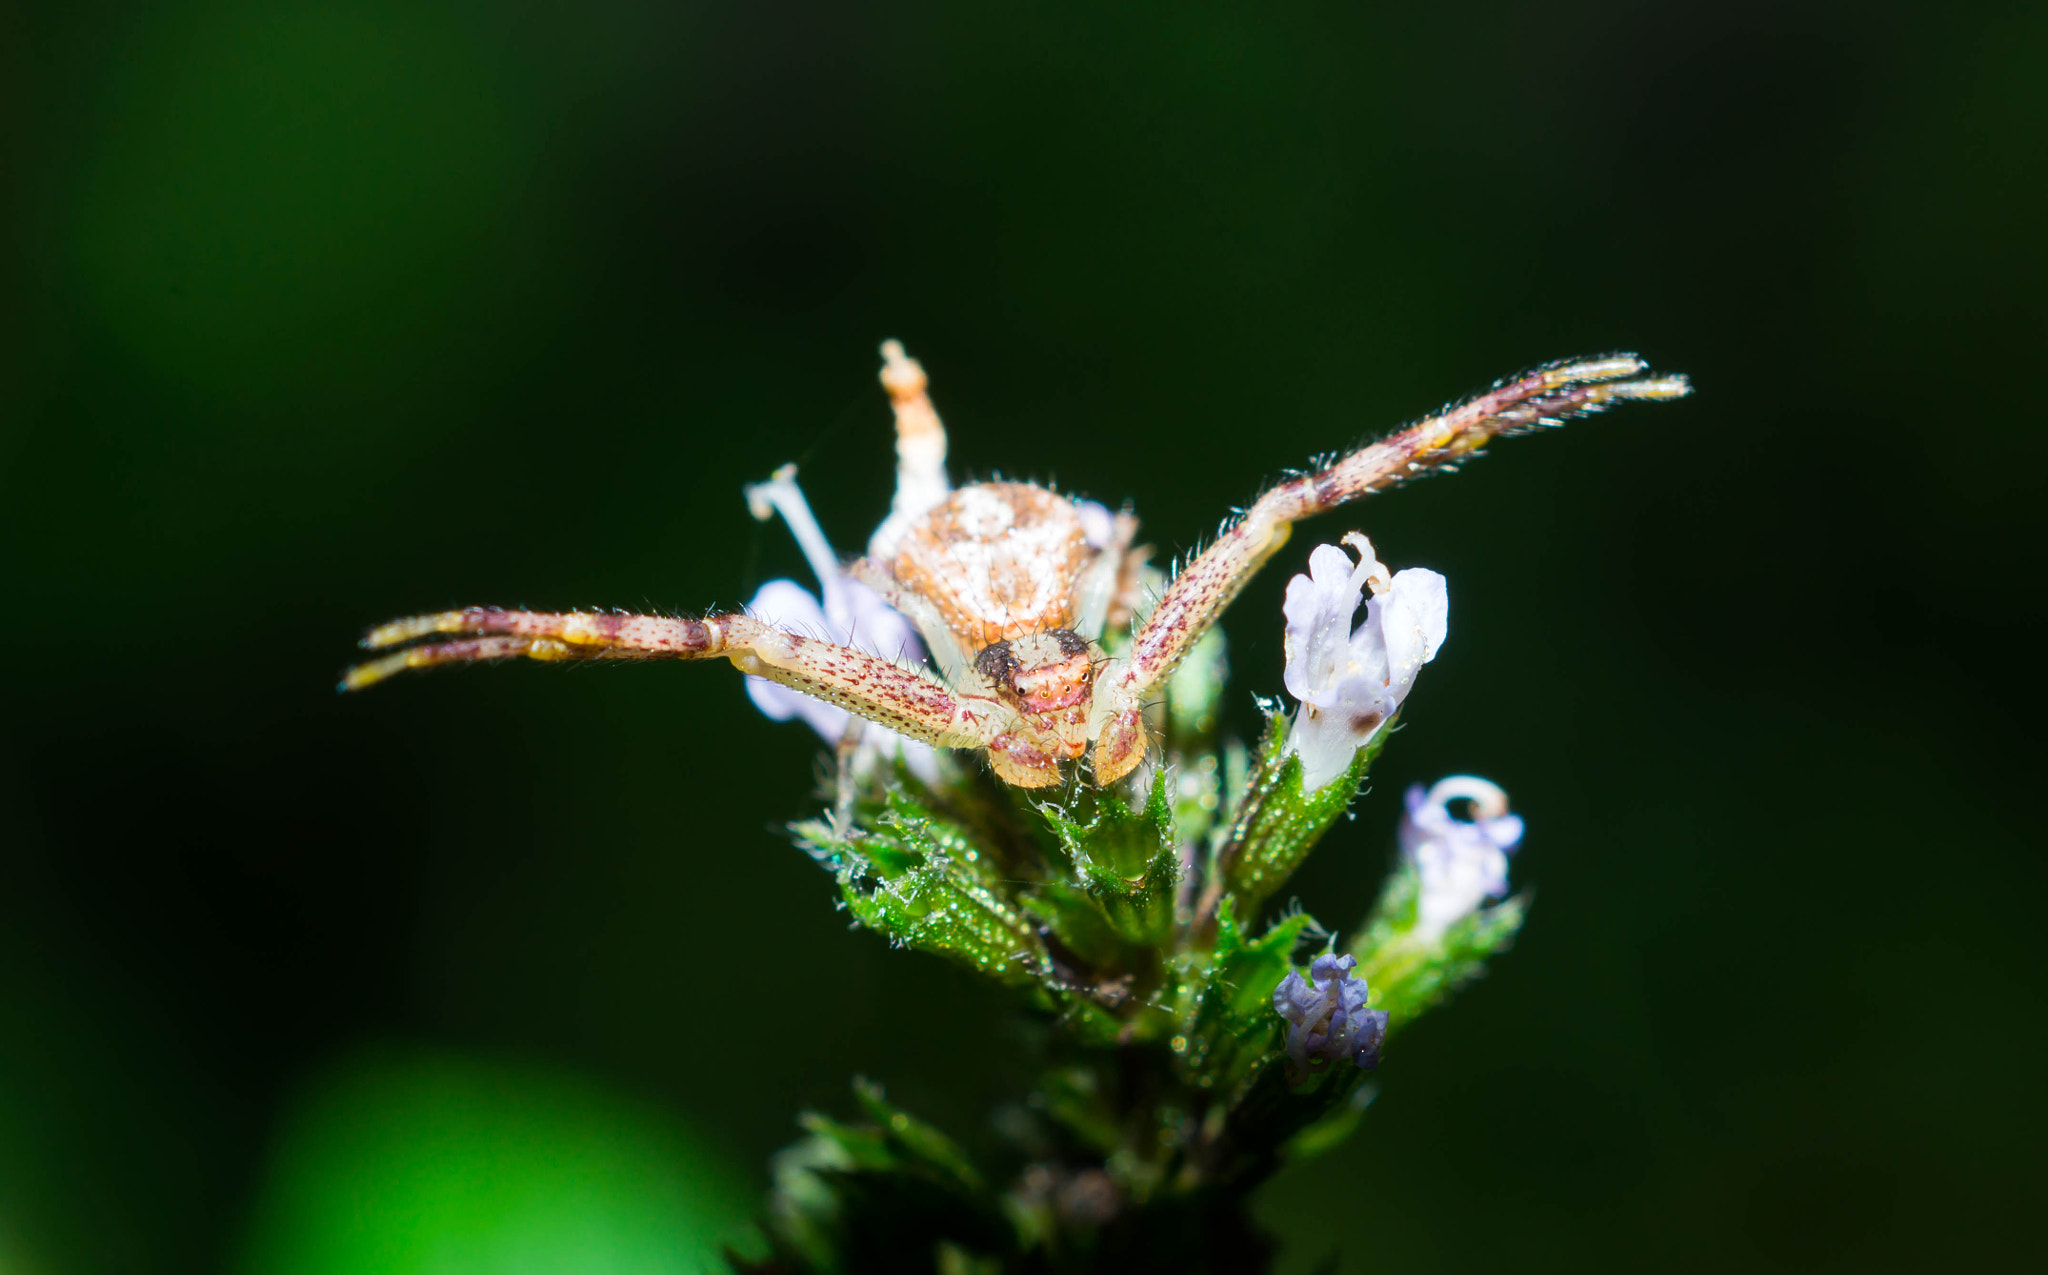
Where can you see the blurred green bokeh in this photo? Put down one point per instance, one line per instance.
(272, 183)
(315, 314)
(439, 1164)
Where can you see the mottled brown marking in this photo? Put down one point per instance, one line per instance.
(997, 560)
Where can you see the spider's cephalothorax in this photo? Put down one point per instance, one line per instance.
(1012, 586)
(1004, 585)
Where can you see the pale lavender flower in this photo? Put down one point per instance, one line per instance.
(1327, 1017)
(1350, 682)
(1098, 524)
(850, 614)
(1461, 863)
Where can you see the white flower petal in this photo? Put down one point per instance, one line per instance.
(874, 626)
(850, 615)
(781, 495)
(1349, 682)
(788, 605)
(1098, 525)
(1413, 620)
(1318, 609)
(1326, 743)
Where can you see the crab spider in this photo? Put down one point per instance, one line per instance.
(1012, 594)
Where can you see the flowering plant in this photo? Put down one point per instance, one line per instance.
(1186, 1053)
(1193, 1043)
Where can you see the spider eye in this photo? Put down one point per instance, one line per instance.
(1069, 642)
(998, 664)
(1042, 672)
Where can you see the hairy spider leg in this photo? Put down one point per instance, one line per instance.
(1109, 581)
(461, 651)
(1198, 595)
(908, 701)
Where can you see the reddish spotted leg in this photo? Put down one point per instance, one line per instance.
(908, 701)
(1548, 396)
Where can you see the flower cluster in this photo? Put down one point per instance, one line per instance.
(1327, 1018)
(1461, 863)
(1350, 682)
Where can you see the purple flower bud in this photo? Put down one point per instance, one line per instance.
(1327, 1018)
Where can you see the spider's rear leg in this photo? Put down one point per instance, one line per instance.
(921, 484)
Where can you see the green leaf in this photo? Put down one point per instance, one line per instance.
(1074, 1097)
(1125, 861)
(1249, 969)
(914, 1141)
(1192, 767)
(925, 883)
(1232, 1030)
(878, 1196)
(1272, 1114)
(1197, 794)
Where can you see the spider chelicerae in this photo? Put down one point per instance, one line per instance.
(1012, 591)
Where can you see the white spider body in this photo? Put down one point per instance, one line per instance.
(1012, 586)
(1005, 588)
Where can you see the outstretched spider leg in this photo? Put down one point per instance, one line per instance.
(1198, 595)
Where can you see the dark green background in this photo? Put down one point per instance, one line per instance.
(317, 314)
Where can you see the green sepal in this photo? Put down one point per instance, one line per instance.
(1249, 969)
(1126, 863)
(1077, 921)
(1104, 831)
(1276, 824)
(924, 882)
(1139, 909)
(1407, 975)
(1232, 1029)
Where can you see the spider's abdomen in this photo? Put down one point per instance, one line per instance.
(997, 560)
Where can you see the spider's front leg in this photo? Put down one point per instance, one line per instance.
(1548, 396)
(906, 700)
